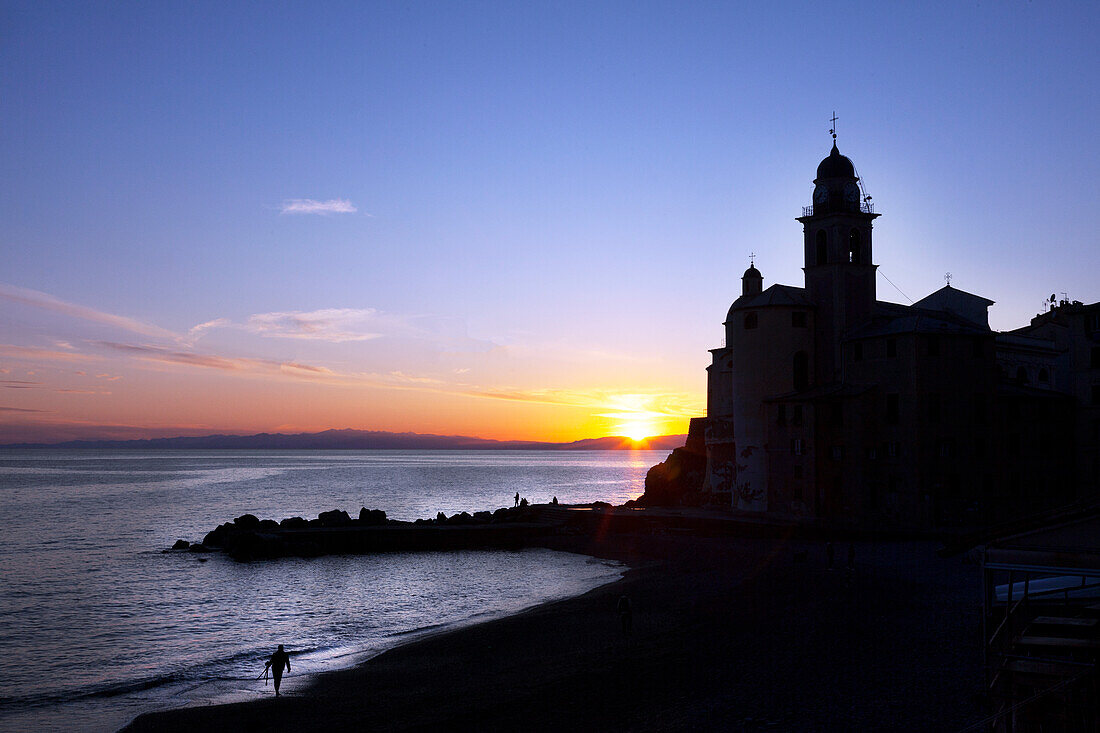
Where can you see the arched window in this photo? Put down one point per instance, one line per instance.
(822, 248)
(801, 370)
(750, 320)
(1021, 375)
(854, 247)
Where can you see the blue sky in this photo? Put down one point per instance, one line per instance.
(548, 198)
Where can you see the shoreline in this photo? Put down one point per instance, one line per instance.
(423, 635)
(729, 633)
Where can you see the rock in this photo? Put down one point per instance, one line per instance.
(268, 524)
(678, 481)
(462, 518)
(247, 521)
(372, 516)
(441, 518)
(247, 546)
(199, 548)
(181, 545)
(482, 517)
(293, 523)
(334, 518)
(218, 536)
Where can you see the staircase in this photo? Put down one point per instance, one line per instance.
(1048, 672)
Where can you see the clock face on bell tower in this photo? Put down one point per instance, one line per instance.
(851, 193)
(821, 193)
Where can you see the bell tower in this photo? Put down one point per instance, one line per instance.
(840, 274)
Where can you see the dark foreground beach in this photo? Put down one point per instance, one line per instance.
(728, 634)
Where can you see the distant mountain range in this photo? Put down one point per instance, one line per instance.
(360, 440)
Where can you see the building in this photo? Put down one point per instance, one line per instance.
(828, 402)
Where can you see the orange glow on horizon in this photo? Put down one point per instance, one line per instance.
(142, 392)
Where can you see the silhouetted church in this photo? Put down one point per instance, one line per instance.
(827, 402)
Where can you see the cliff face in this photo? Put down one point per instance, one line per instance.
(678, 481)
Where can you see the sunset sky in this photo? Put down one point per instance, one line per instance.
(510, 220)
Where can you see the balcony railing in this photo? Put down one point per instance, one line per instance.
(865, 208)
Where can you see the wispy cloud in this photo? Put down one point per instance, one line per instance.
(18, 384)
(617, 405)
(213, 361)
(272, 368)
(335, 325)
(158, 353)
(651, 405)
(197, 331)
(310, 206)
(340, 325)
(20, 409)
(400, 377)
(48, 302)
(31, 353)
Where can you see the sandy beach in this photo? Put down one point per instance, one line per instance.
(728, 634)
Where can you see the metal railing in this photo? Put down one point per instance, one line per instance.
(864, 208)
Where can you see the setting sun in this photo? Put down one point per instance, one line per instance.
(638, 431)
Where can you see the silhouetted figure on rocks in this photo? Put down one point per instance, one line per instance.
(829, 554)
(554, 501)
(279, 660)
(517, 499)
(625, 615)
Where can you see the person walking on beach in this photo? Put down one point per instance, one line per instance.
(625, 616)
(279, 660)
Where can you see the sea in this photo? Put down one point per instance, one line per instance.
(98, 625)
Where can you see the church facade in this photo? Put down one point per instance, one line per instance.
(827, 402)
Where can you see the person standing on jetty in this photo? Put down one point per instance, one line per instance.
(279, 660)
(517, 499)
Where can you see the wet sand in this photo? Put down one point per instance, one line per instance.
(728, 634)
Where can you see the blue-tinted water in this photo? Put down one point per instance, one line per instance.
(97, 625)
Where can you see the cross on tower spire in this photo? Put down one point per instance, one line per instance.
(948, 277)
(752, 259)
(832, 130)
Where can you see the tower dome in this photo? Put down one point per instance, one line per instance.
(752, 282)
(835, 166)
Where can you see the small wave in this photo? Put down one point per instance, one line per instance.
(200, 674)
(417, 630)
(605, 563)
(98, 692)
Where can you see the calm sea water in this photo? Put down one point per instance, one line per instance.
(97, 625)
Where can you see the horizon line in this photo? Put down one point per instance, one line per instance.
(306, 434)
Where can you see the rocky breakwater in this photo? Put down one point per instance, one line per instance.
(336, 532)
(678, 480)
